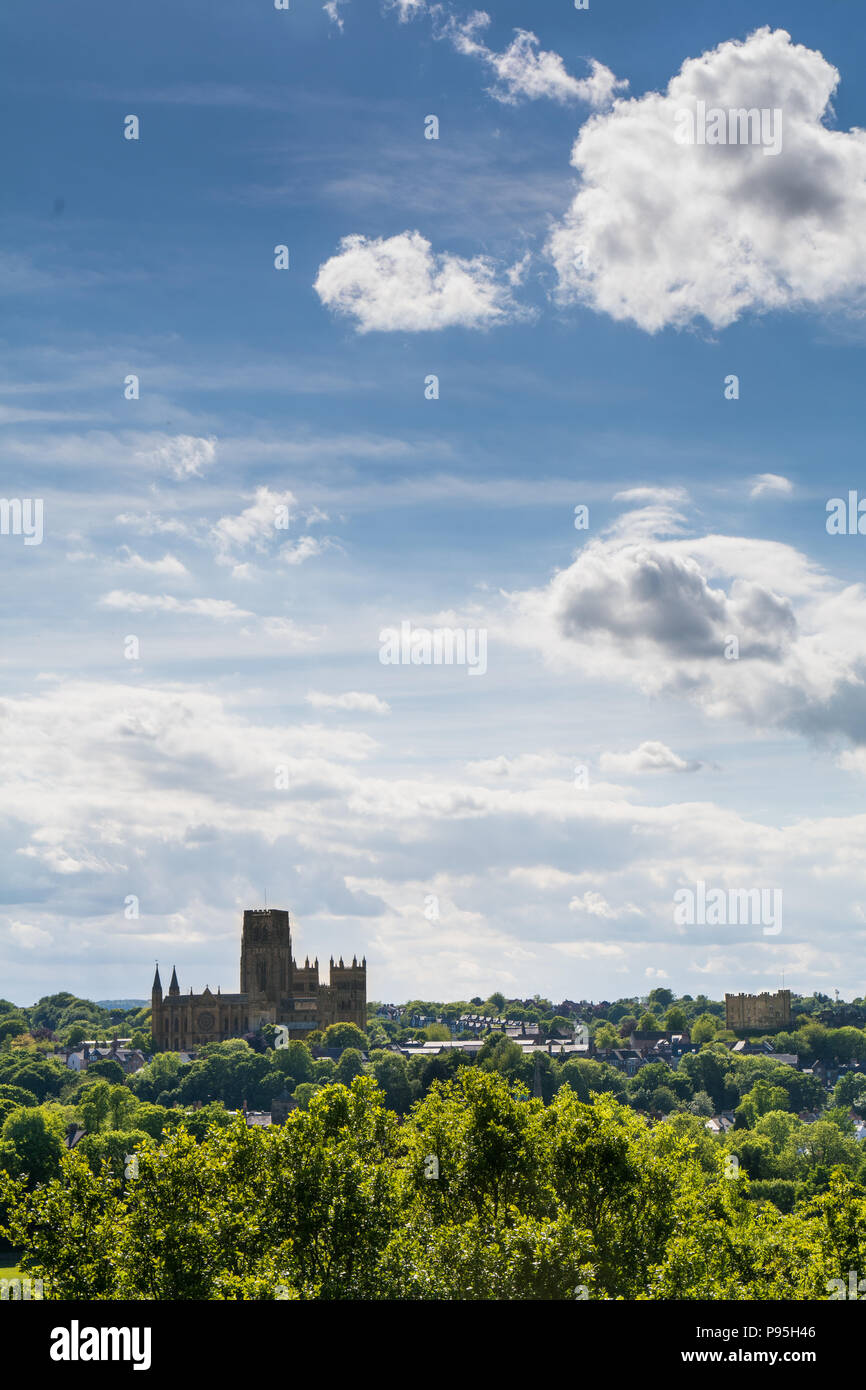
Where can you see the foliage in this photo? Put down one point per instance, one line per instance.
(479, 1193)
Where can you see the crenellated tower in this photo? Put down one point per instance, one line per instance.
(266, 956)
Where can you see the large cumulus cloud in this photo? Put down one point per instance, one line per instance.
(663, 233)
(747, 629)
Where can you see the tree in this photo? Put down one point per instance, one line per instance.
(649, 1023)
(94, 1104)
(390, 1072)
(660, 998)
(486, 1139)
(675, 1020)
(762, 1098)
(703, 1029)
(345, 1035)
(29, 1147)
(848, 1090)
(559, 1026)
(706, 1072)
(663, 1100)
(606, 1037)
(350, 1065)
(778, 1126)
(18, 1094)
(108, 1069)
(13, 1026)
(155, 1120)
(48, 1012)
(295, 1060)
(200, 1123)
(113, 1147)
(160, 1074)
(502, 1054)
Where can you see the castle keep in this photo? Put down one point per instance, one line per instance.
(764, 1011)
(274, 989)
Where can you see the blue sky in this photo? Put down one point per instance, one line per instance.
(258, 647)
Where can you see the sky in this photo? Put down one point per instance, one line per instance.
(511, 293)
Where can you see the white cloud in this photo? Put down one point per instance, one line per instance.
(29, 937)
(662, 614)
(771, 485)
(524, 70)
(166, 603)
(149, 524)
(407, 9)
(351, 700)
(332, 10)
(650, 756)
(398, 283)
(594, 904)
(169, 565)
(302, 550)
(183, 456)
(665, 233)
(257, 527)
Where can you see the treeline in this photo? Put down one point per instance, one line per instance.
(67, 1020)
(479, 1192)
(43, 1105)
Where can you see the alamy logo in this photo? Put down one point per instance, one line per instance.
(856, 1286)
(76, 1343)
(22, 516)
(731, 907)
(846, 518)
(737, 126)
(441, 646)
(18, 1289)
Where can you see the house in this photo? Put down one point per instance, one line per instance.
(129, 1059)
(720, 1124)
(391, 1011)
(626, 1059)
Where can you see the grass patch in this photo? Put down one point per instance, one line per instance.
(9, 1264)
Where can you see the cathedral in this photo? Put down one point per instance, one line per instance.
(274, 989)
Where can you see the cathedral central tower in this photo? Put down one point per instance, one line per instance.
(266, 957)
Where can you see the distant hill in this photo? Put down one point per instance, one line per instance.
(121, 1003)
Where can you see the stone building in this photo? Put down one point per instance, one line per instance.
(274, 989)
(761, 1011)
